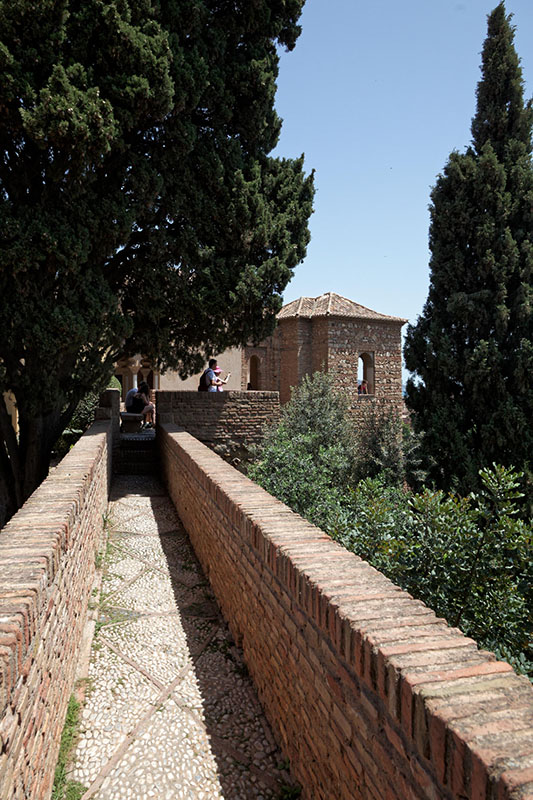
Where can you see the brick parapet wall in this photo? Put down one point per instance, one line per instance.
(371, 695)
(47, 567)
(361, 406)
(230, 422)
(109, 409)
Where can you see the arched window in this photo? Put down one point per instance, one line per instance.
(254, 373)
(365, 373)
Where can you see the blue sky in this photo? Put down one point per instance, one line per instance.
(377, 95)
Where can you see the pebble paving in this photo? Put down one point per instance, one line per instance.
(169, 711)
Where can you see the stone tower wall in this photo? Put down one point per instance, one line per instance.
(320, 360)
(348, 338)
(303, 345)
(289, 352)
(305, 349)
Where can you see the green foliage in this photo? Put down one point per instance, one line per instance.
(471, 351)
(82, 417)
(318, 450)
(312, 451)
(387, 447)
(469, 558)
(64, 789)
(140, 210)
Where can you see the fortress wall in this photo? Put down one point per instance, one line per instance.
(370, 694)
(229, 422)
(305, 350)
(47, 569)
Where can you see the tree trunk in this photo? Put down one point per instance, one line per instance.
(24, 460)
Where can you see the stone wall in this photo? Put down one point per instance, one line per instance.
(289, 351)
(47, 567)
(320, 345)
(372, 697)
(229, 422)
(348, 338)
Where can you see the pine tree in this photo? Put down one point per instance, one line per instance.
(140, 210)
(471, 350)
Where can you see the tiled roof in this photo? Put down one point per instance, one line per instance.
(333, 305)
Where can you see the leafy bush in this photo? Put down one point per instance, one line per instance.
(469, 558)
(81, 419)
(311, 453)
(318, 447)
(379, 446)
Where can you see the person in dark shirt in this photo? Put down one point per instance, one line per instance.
(141, 404)
(208, 378)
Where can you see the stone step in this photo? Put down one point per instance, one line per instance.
(137, 454)
(136, 467)
(130, 468)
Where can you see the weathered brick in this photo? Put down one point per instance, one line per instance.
(338, 651)
(47, 566)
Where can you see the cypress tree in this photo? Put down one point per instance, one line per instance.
(471, 350)
(140, 210)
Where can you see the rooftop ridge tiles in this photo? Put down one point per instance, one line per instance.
(335, 305)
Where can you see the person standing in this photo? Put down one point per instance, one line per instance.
(208, 378)
(219, 382)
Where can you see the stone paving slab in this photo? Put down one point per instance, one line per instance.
(169, 709)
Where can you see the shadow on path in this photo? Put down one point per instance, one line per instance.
(169, 711)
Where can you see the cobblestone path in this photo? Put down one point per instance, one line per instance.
(169, 710)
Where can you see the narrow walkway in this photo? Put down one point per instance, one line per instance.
(169, 709)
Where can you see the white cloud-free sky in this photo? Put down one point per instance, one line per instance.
(377, 94)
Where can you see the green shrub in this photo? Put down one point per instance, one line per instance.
(379, 447)
(311, 453)
(469, 558)
(82, 418)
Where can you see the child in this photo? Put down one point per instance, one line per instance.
(219, 382)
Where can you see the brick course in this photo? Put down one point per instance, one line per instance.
(371, 695)
(229, 422)
(47, 567)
